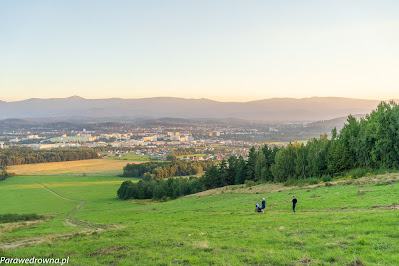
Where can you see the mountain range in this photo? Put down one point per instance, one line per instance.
(268, 110)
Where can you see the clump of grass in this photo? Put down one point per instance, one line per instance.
(356, 262)
(362, 192)
(11, 218)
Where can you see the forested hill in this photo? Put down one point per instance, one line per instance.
(17, 156)
(364, 146)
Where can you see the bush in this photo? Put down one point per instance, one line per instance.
(249, 183)
(11, 218)
(326, 178)
(5, 174)
(358, 172)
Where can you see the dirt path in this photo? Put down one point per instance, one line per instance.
(88, 228)
(68, 219)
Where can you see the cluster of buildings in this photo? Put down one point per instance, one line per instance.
(78, 138)
(28, 137)
(150, 138)
(53, 146)
(214, 134)
(168, 137)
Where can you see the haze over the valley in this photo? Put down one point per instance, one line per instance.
(267, 110)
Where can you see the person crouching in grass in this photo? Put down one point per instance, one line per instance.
(263, 205)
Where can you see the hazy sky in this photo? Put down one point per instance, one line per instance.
(223, 50)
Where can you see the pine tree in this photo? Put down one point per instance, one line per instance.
(241, 171)
(259, 165)
(251, 164)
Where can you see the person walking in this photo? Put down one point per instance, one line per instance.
(263, 205)
(294, 201)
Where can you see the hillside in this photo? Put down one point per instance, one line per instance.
(350, 223)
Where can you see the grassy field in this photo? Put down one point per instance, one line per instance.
(349, 223)
(130, 157)
(94, 167)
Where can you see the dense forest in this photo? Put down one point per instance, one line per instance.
(365, 145)
(17, 156)
(160, 170)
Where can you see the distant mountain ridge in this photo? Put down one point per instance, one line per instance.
(270, 110)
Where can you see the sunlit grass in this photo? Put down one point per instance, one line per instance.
(338, 225)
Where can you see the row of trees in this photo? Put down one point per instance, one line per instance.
(233, 171)
(160, 189)
(17, 156)
(160, 170)
(369, 143)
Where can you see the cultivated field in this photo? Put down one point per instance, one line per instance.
(351, 223)
(94, 167)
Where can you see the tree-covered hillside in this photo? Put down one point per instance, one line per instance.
(361, 146)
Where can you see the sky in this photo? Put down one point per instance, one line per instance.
(225, 50)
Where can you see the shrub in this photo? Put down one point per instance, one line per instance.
(326, 178)
(11, 218)
(249, 183)
(358, 172)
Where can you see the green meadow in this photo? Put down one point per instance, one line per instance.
(343, 224)
(198, 155)
(129, 156)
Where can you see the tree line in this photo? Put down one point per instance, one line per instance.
(365, 145)
(368, 144)
(172, 188)
(160, 170)
(17, 156)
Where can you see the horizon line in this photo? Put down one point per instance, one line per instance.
(184, 98)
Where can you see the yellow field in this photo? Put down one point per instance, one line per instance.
(98, 167)
(60, 184)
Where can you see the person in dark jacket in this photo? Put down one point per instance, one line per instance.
(294, 201)
(263, 205)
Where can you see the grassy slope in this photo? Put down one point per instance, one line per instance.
(333, 225)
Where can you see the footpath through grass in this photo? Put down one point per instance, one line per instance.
(333, 225)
